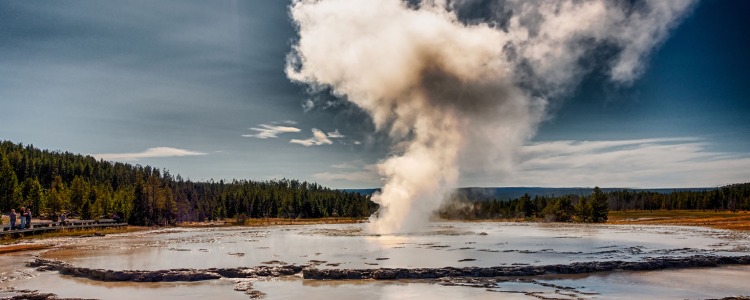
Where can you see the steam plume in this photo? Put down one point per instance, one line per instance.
(460, 93)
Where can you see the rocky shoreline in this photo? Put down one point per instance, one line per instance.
(163, 275)
(308, 272)
(658, 263)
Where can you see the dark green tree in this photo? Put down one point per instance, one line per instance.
(79, 190)
(10, 194)
(32, 193)
(599, 206)
(559, 210)
(58, 196)
(86, 210)
(139, 215)
(583, 210)
(526, 207)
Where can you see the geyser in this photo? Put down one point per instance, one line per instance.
(459, 93)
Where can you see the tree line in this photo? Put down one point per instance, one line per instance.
(593, 208)
(52, 182)
(733, 197)
(596, 206)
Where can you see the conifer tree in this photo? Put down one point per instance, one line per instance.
(583, 210)
(9, 191)
(599, 206)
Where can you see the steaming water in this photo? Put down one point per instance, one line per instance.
(488, 244)
(349, 246)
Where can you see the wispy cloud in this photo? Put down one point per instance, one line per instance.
(335, 134)
(354, 172)
(319, 138)
(356, 164)
(265, 131)
(647, 163)
(663, 162)
(148, 153)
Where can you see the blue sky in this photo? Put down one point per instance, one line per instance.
(201, 90)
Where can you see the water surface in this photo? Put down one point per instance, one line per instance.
(350, 246)
(444, 244)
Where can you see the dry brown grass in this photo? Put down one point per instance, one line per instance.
(271, 222)
(721, 220)
(279, 221)
(24, 247)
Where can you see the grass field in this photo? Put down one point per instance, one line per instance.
(721, 219)
(272, 221)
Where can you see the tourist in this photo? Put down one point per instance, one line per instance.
(62, 219)
(22, 216)
(28, 217)
(116, 217)
(12, 219)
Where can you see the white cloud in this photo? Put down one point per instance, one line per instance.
(335, 135)
(662, 162)
(318, 138)
(149, 153)
(354, 177)
(342, 166)
(353, 172)
(356, 164)
(644, 163)
(271, 131)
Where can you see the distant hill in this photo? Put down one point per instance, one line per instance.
(507, 193)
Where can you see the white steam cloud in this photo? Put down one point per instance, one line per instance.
(458, 94)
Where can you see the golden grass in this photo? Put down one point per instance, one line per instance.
(281, 221)
(714, 219)
(260, 222)
(25, 247)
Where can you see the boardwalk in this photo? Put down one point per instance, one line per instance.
(48, 226)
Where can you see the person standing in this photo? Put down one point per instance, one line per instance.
(12, 219)
(28, 217)
(22, 216)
